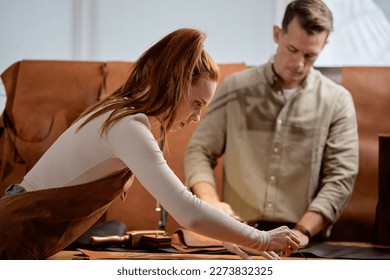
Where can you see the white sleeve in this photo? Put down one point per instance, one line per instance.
(132, 141)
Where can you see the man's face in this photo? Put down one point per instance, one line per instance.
(296, 53)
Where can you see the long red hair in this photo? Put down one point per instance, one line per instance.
(160, 81)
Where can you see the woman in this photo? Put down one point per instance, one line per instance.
(76, 180)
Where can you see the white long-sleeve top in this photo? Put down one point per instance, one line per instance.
(85, 156)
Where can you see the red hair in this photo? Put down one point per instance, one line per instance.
(161, 80)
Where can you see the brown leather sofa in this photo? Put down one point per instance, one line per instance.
(44, 97)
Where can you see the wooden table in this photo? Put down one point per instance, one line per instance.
(146, 255)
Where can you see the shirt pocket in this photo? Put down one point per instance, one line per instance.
(304, 145)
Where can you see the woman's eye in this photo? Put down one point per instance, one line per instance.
(197, 105)
(311, 56)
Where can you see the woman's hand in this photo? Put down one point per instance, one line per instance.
(244, 252)
(284, 240)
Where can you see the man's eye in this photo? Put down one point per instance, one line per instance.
(292, 50)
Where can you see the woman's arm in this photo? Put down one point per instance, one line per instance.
(132, 142)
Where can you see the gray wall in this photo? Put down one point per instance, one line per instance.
(238, 31)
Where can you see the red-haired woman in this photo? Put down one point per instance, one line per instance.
(79, 176)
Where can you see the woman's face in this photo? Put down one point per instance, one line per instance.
(201, 94)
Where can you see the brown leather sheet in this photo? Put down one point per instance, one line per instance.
(340, 251)
(189, 245)
(315, 251)
(188, 241)
(107, 255)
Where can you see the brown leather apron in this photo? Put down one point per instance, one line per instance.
(38, 224)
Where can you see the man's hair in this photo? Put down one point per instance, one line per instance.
(313, 16)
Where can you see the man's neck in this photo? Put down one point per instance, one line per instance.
(283, 83)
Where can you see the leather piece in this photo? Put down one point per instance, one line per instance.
(56, 86)
(319, 250)
(338, 251)
(116, 74)
(105, 255)
(188, 241)
(43, 99)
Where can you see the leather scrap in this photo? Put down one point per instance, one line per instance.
(188, 241)
(348, 251)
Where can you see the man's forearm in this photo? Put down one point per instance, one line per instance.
(311, 223)
(206, 192)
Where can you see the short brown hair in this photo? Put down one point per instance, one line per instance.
(313, 16)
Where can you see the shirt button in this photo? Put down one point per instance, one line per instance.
(269, 204)
(272, 178)
(280, 121)
(276, 150)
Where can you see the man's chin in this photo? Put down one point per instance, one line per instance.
(295, 80)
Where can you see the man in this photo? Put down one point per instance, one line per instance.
(288, 135)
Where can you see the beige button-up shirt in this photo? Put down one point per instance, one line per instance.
(282, 157)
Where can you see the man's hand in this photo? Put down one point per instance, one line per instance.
(227, 209)
(303, 239)
(309, 225)
(208, 193)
